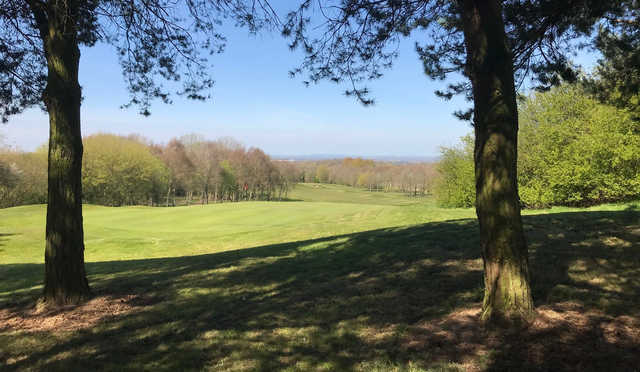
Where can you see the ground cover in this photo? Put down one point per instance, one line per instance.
(341, 279)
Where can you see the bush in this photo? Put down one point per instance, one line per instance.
(576, 151)
(455, 188)
(572, 151)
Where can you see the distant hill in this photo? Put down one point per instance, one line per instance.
(389, 158)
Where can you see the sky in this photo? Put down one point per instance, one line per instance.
(256, 102)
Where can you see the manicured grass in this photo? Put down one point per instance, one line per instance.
(147, 232)
(343, 280)
(340, 194)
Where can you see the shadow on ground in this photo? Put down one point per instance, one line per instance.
(394, 298)
(3, 238)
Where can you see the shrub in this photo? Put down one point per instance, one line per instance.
(456, 185)
(572, 150)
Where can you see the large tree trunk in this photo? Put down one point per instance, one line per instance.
(65, 277)
(507, 293)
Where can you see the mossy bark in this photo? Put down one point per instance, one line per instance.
(490, 67)
(65, 277)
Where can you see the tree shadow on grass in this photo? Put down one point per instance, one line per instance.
(586, 283)
(3, 239)
(380, 299)
(589, 257)
(287, 200)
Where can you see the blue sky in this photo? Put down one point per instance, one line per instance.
(255, 102)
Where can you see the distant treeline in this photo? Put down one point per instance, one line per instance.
(131, 170)
(573, 150)
(23, 178)
(411, 178)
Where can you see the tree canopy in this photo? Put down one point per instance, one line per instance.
(617, 76)
(360, 39)
(120, 171)
(455, 186)
(573, 150)
(163, 46)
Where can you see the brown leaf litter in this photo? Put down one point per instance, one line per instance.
(38, 318)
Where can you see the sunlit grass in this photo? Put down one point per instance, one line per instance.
(317, 285)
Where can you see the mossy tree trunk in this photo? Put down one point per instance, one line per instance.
(65, 277)
(506, 268)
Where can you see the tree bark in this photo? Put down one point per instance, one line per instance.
(507, 293)
(65, 277)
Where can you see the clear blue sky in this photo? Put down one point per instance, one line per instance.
(255, 102)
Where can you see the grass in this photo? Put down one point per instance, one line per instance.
(339, 194)
(341, 280)
(147, 232)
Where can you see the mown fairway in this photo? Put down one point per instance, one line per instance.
(336, 279)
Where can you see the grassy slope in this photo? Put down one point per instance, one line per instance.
(344, 281)
(145, 232)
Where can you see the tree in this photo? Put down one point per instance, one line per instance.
(6, 175)
(8, 181)
(156, 40)
(491, 43)
(121, 171)
(322, 174)
(205, 157)
(617, 77)
(228, 182)
(456, 185)
(490, 69)
(26, 181)
(573, 150)
(180, 167)
(576, 150)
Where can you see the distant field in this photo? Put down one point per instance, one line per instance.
(318, 192)
(337, 279)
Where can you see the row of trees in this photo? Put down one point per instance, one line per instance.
(573, 150)
(412, 178)
(130, 170)
(221, 170)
